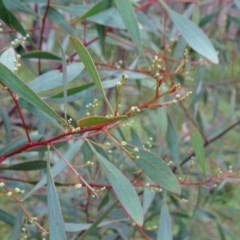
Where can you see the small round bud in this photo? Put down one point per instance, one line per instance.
(17, 190)
(78, 186)
(2, 184)
(136, 149)
(9, 194)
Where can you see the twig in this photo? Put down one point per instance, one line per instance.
(20, 113)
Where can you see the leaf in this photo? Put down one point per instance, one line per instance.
(101, 35)
(207, 19)
(198, 147)
(123, 189)
(161, 122)
(193, 35)
(26, 166)
(20, 6)
(79, 227)
(10, 19)
(234, 20)
(7, 217)
(56, 223)
(41, 55)
(90, 66)
(6, 124)
(98, 120)
(237, 3)
(172, 140)
(156, 169)
(54, 78)
(109, 18)
(17, 228)
(74, 90)
(98, 221)
(58, 18)
(22, 90)
(129, 18)
(65, 81)
(8, 57)
(95, 9)
(165, 226)
(37, 112)
(148, 197)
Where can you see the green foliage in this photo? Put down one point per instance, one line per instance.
(119, 120)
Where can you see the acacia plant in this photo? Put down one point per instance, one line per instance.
(101, 135)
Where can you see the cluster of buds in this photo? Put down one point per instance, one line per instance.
(91, 106)
(157, 64)
(19, 41)
(179, 97)
(135, 109)
(119, 64)
(17, 63)
(148, 144)
(128, 124)
(15, 191)
(153, 189)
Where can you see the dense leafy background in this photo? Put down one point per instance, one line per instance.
(167, 167)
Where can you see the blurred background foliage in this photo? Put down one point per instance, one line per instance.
(198, 138)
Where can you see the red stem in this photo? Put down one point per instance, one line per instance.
(20, 114)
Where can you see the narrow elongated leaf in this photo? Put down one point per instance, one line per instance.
(95, 9)
(235, 20)
(65, 81)
(90, 66)
(37, 112)
(78, 227)
(56, 223)
(165, 226)
(8, 57)
(123, 189)
(26, 166)
(127, 13)
(74, 90)
(41, 55)
(56, 17)
(98, 221)
(148, 197)
(54, 78)
(161, 122)
(198, 147)
(10, 19)
(156, 169)
(6, 123)
(172, 140)
(193, 35)
(12, 81)
(17, 228)
(207, 19)
(19, 6)
(97, 120)
(7, 217)
(237, 3)
(109, 18)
